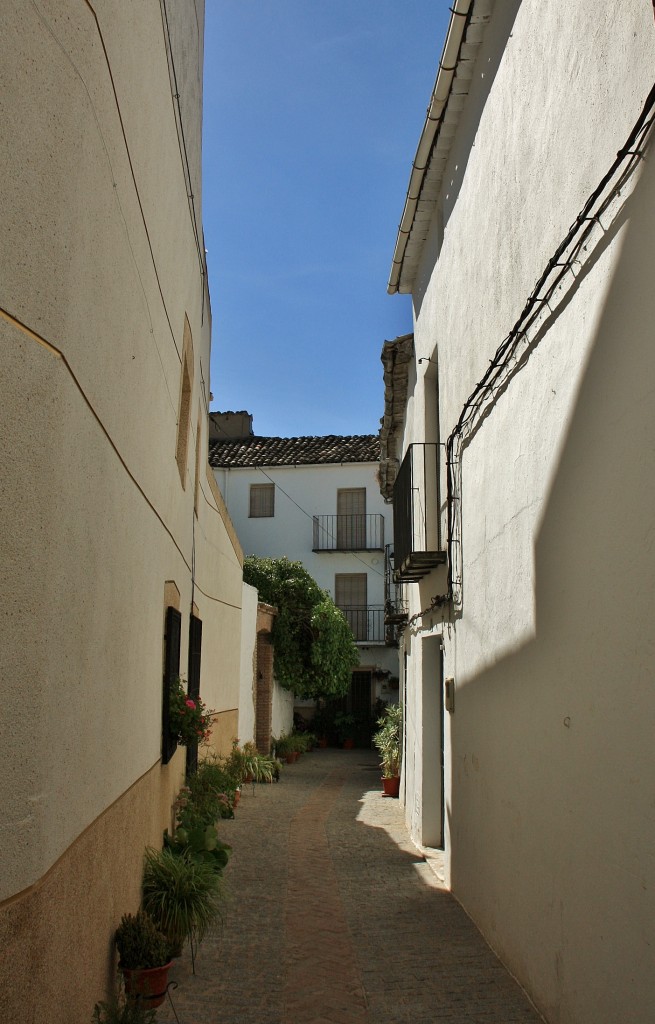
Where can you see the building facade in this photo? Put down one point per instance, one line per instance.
(518, 447)
(317, 500)
(119, 561)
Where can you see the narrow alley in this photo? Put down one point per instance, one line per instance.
(333, 916)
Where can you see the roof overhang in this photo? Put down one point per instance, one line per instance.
(465, 33)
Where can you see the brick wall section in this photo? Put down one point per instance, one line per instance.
(264, 708)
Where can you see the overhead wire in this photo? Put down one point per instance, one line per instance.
(500, 371)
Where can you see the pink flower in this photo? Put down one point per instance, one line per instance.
(190, 703)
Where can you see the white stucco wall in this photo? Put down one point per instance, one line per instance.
(99, 271)
(548, 832)
(282, 711)
(302, 492)
(248, 656)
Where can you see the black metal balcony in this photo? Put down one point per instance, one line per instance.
(417, 514)
(366, 622)
(395, 602)
(349, 533)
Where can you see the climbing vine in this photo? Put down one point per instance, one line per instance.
(313, 644)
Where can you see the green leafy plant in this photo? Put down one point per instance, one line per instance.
(345, 724)
(313, 644)
(140, 944)
(189, 720)
(182, 894)
(202, 844)
(119, 1010)
(387, 740)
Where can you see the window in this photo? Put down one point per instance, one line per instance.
(173, 625)
(195, 652)
(184, 413)
(350, 595)
(262, 501)
(351, 519)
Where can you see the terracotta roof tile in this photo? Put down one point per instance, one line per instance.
(293, 451)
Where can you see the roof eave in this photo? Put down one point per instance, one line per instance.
(402, 277)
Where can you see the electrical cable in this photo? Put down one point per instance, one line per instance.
(181, 141)
(310, 516)
(500, 371)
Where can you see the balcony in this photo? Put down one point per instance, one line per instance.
(366, 622)
(395, 602)
(349, 533)
(417, 515)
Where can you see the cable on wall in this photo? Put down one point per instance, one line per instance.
(181, 140)
(574, 250)
(310, 516)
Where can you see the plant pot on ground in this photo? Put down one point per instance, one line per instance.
(182, 894)
(346, 726)
(144, 959)
(387, 740)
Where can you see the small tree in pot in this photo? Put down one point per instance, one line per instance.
(387, 740)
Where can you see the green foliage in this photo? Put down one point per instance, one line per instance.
(314, 647)
(181, 894)
(346, 725)
(189, 720)
(387, 740)
(140, 943)
(201, 844)
(207, 796)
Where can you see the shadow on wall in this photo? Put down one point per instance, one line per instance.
(552, 799)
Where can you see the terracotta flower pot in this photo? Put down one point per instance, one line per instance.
(348, 744)
(391, 787)
(149, 986)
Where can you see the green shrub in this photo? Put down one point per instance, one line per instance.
(141, 945)
(182, 894)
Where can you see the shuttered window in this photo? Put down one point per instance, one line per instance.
(195, 651)
(351, 519)
(171, 672)
(262, 501)
(350, 590)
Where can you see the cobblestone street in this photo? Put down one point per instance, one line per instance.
(333, 916)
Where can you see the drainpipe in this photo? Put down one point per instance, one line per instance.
(447, 66)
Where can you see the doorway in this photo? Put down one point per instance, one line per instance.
(432, 744)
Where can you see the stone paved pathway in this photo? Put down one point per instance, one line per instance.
(333, 917)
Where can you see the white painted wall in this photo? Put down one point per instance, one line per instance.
(282, 711)
(549, 830)
(248, 661)
(99, 270)
(301, 492)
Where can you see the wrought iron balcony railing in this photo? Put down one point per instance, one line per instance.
(349, 533)
(417, 514)
(395, 602)
(367, 623)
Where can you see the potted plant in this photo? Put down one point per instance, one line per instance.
(345, 725)
(387, 742)
(144, 958)
(285, 747)
(182, 893)
(189, 720)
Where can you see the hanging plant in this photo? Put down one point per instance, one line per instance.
(189, 720)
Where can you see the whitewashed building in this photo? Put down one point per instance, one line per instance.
(119, 565)
(519, 444)
(317, 500)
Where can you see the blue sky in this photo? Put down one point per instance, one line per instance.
(312, 114)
